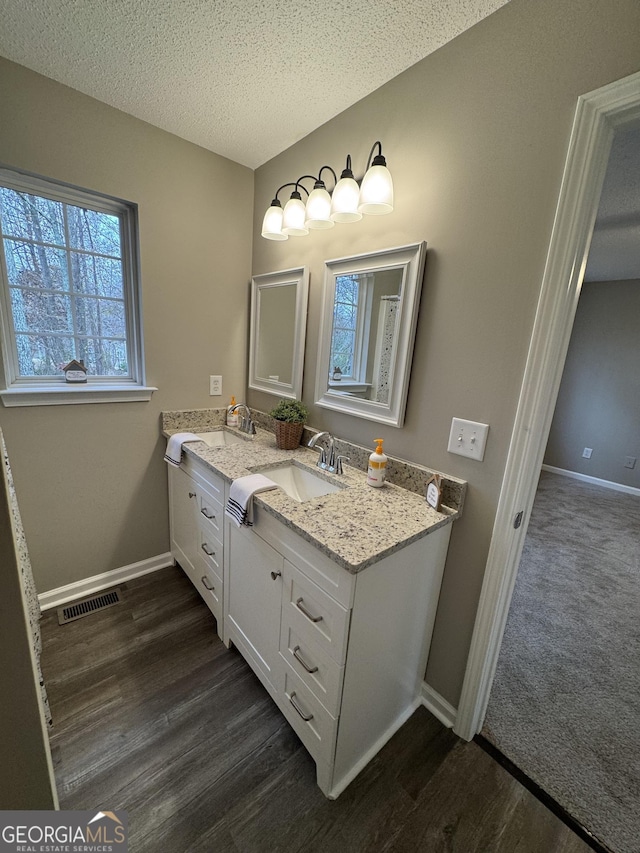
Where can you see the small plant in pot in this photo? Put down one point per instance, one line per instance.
(289, 419)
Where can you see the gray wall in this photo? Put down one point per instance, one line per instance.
(599, 400)
(476, 137)
(90, 478)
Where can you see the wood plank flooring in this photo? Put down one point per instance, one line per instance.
(154, 716)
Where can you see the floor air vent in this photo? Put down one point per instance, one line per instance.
(90, 605)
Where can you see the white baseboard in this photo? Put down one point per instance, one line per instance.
(89, 586)
(438, 706)
(607, 484)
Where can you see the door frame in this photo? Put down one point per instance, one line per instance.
(598, 115)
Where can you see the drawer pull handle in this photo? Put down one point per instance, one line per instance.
(301, 660)
(192, 494)
(304, 610)
(206, 514)
(305, 717)
(205, 584)
(207, 550)
(275, 575)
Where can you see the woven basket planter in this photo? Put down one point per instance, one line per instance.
(287, 435)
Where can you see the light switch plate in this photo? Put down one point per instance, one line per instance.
(468, 438)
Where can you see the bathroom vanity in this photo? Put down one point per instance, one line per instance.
(330, 600)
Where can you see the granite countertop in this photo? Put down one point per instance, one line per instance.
(356, 526)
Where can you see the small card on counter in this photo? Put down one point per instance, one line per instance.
(434, 491)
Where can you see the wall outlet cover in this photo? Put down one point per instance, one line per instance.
(586, 453)
(215, 386)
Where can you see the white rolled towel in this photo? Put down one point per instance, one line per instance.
(240, 503)
(174, 446)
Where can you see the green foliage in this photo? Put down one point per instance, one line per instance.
(290, 411)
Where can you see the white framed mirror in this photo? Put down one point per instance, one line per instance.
(277, 331)
(369, 315)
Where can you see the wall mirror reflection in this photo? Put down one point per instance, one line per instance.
(369, 315)
(277, 331)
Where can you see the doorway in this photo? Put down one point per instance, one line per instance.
(598, 115)
(565, 701)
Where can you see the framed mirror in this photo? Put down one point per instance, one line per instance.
(369, 316)
(277, 331)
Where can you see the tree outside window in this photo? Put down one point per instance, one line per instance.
(64, 271)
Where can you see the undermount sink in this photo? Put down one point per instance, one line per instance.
(299, 483)
(221, 438)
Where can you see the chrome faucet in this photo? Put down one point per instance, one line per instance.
(246, 424)
(324, 461)
(327, 459)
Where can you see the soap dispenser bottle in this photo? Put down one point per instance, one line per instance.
(377, 470)
(232, 417)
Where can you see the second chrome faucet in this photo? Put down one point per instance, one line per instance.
(327, 459)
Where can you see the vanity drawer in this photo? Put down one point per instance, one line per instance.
(204, 478)
(210, 511)
(310, 720)
(313, 614)
(210, 549)
(320, 673)
(209, 585)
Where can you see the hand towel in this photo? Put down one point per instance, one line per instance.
(174, 446)
(240, 503)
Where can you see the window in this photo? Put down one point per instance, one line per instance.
(350, 336)
(68, 270)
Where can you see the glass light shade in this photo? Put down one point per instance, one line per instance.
(272, 224)
(293, 219)
(318, 210)
(344, 202)
(376, 192)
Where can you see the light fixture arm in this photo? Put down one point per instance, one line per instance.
(379, 159)
(347, 172)
(320, 184)
(298, 184)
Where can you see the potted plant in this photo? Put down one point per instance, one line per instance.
(289, 417)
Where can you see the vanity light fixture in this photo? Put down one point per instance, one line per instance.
(348, 201)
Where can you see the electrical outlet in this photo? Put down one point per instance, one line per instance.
(468, 438)
(630, 462)
(586, 453)
(215, 386)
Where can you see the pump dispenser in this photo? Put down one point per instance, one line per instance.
(232, 417)
(377, 470)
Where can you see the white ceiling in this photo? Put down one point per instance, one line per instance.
(247, 79)
(243, 78)
(615, 247)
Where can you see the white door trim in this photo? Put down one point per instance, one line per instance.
(598, 115)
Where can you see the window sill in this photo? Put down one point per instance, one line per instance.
(67, 394)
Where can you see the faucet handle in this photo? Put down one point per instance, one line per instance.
(339, 463)
(323, 454)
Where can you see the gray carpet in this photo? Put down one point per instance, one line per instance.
(565, 704)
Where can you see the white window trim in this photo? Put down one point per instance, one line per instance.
(52, 390)
(360, 333)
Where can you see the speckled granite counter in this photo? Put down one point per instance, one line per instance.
(356, 526)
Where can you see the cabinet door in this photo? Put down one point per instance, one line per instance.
(254, 602)
(184, 513)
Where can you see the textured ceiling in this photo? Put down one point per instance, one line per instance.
(243, 78)
(615, 248)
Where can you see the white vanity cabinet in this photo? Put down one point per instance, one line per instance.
(343, 655)
(196, 510)
(253, 601)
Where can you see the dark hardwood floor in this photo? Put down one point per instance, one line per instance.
(154, 716)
